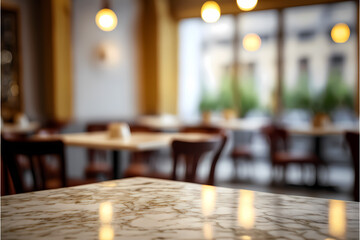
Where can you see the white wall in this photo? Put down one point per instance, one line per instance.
(104, 89)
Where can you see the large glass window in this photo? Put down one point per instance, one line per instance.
(319, 74)
(206, 56)
(257, 62)
(234, 62)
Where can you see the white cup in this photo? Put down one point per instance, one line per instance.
(21, 120)
(119, 130)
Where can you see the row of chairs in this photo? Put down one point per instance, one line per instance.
(280, 155)
(38, 151)
(42, 173)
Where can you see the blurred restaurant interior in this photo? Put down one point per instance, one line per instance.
(125, 87)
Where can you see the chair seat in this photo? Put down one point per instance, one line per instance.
(95, 168)
(137, 169)
(241, 152)
(287, 158)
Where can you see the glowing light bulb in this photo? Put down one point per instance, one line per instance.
(340, 33)
(251, 42)
(210, 12)
(106, 19)
(246, 5)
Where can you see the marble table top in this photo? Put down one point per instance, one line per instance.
(144, 208)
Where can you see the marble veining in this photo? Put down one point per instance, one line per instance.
(144, 208)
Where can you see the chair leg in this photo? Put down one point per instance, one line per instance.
(284, 174)
(236, 166)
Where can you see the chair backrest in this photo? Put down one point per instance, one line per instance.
(353, 141)
(217, 152)
(277, 137)
(32, 149)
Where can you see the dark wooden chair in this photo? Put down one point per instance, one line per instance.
(281, 157)
(36, 153)
(32, 150)
(222, 133)
(192, 153)
(242, 154)
(353, 141)
(97, 164)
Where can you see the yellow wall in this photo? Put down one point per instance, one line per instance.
(167, 53)
(62, 72)
(158, 58)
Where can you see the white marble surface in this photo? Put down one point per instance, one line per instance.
(143, 208)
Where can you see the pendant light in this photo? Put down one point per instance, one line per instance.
(246, 5)
(106, 19)
(210, 12)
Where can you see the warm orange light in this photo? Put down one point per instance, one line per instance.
(246, 212)
(208, 199)
(105, 212)
(210, 12)
(106, 232)
(246, 5)
(106, 19)
(340, 33)
(208, 230)
(251, 42)
(337, 218)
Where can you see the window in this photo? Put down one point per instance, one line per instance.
(319, 74)
(234, 62)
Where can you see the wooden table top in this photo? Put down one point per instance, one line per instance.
(138, 140)
(21, 129)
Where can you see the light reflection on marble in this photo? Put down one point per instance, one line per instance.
(143, 208)
(246, 215)
(337, 218)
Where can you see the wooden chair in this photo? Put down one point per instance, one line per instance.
(223, 134)
(353, 141)
(192, 152)
(241, 153)
(36, 153)
(277, 138)
(32, 149)
(97, 164)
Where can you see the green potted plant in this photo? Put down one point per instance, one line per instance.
(207, 105)
(226, 99)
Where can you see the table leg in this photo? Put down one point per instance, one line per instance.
(115, 155)
(317, 150)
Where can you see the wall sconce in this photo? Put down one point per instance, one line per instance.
(106, 19)
(210, 12)
(107, 54)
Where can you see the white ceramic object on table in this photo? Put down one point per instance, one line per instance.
(21, 120)
(119, 130)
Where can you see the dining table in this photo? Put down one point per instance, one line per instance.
(318, 133)
(146, 208)
(137, 141)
